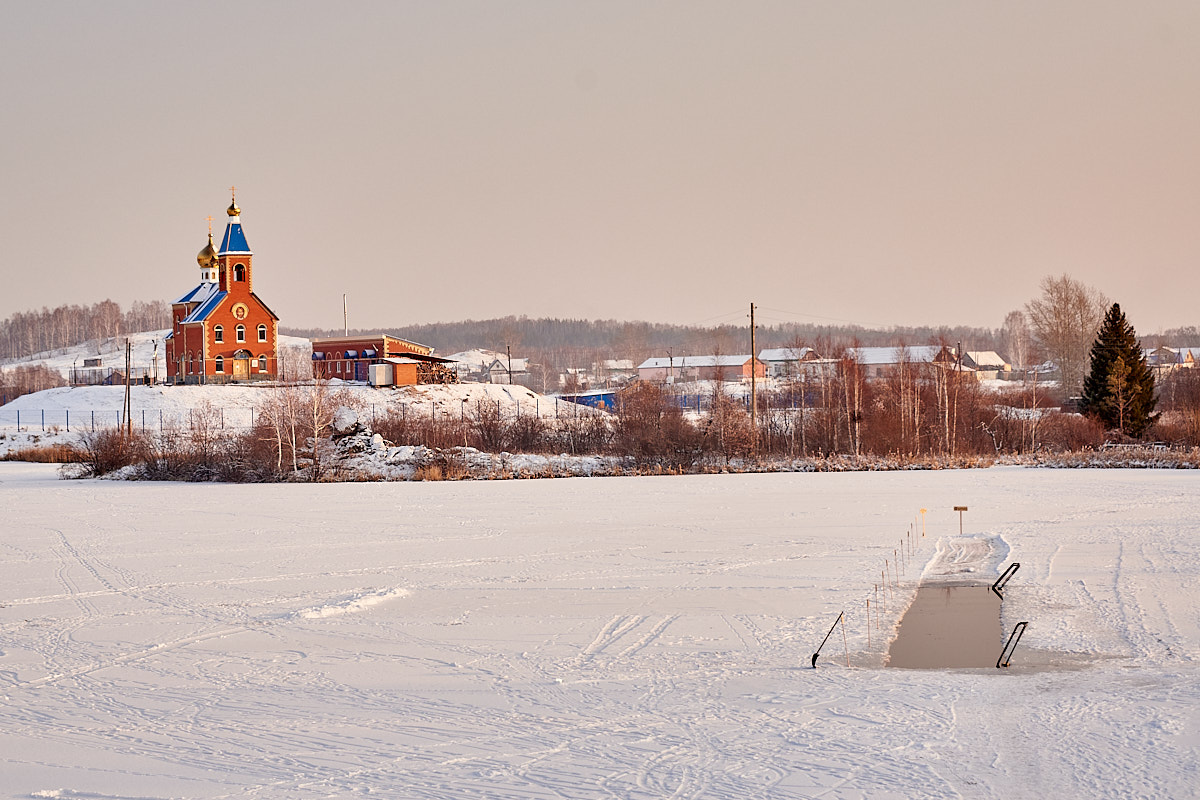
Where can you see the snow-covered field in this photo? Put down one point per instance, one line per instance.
(590, 638)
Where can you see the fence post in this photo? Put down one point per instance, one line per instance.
(43, 420)
(93, 420)
(68, 420)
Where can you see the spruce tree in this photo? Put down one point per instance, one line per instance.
(1119, 388)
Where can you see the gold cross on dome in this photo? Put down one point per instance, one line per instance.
(233, 192)
(210, 219)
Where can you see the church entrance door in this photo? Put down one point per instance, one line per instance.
(241, 365)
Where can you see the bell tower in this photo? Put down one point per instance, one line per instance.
(235, 273)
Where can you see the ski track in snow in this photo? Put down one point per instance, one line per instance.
(614, 638)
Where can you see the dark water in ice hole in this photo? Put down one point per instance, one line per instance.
(949, 626)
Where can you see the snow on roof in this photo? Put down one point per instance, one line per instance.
(616, 363)
(986, 358)
(200, 294)
(204, 309)
(785, 354)
(879, 356)
(501, 363)
(694, 361)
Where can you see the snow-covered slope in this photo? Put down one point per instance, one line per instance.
(59, 415)
(620, 638)
(111, 352)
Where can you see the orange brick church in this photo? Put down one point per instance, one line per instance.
(221, 331)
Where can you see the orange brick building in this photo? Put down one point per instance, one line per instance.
(221, 331)
(351, 357)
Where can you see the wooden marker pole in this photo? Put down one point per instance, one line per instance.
(868, 623)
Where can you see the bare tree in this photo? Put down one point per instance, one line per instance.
(1016, 339)
(1064, 321)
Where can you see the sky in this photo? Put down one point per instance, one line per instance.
(877, 163)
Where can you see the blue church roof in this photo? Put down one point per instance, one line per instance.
(198, 295)
(234, 241)
(203, 310)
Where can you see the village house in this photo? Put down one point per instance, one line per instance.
(221, 330)
(503, 369)
(879, 362)
(988, 364)
(700, 368)
(786, 362)
(381, 359)
(1162, 360)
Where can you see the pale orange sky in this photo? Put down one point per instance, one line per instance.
(881, 163)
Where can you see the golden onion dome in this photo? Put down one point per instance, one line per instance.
(208, 256)
(233, 209)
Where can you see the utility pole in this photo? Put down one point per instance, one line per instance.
(345, 317)
(753, 386)
(508, 352)
(670, 367)
(128, 404)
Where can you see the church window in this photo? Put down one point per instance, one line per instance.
(239, 272)
(219, 364)
(191, 363)
(241, 333)
(262, 333)
(218, 334)
(262, 363)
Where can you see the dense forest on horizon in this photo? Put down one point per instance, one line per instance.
(564, 342)
(639, 340)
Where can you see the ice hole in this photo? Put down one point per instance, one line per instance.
(949, 626)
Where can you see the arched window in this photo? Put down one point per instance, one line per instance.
(262, 333)
(219, 364)
(218, 334)
(191, 363)
(262, 363)
(241, 333)
(239, 272)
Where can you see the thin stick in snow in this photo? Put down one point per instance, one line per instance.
(846, 644)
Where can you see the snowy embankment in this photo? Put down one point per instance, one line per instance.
(632, 637)
(59, 416)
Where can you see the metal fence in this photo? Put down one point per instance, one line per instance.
(54, 420)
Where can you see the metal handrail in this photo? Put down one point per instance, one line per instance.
(1003, 579)
(1011, 645)
(826, 639)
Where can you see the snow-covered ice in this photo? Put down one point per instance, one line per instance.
(590, 638)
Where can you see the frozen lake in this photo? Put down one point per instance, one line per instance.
(591, 638)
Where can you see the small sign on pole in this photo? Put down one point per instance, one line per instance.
(960, 510)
